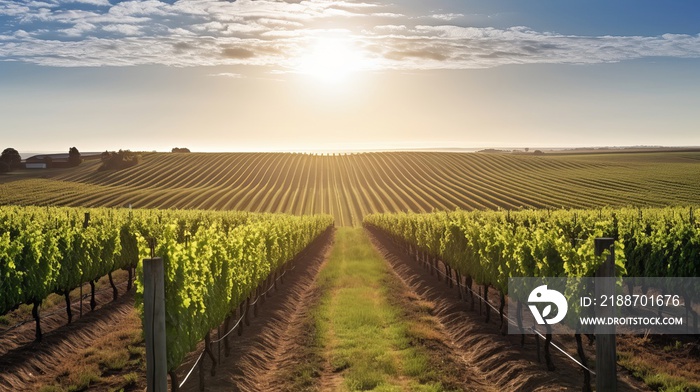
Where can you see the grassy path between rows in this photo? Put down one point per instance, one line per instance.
(362, 334)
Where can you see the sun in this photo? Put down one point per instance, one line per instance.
(331, 59)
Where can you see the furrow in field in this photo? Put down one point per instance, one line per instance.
(275, 175)
(423, 169)
(291, 193)
(360, 200)
(156, 173)
(399, 199)
(376, 194)
(286, 187)
(471, 195)
(526, 191)
(311, 188)
(254, 177)
(204, 167)
(218, 197)
(378, 176)
(298, 204)
(341, 198)
(428, 171)
(503, 190)
(415, 183)
(452, 184)
(351, 185)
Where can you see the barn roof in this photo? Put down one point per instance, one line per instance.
(42, 157)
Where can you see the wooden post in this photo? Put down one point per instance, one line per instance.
(154, 325)
(605, 358)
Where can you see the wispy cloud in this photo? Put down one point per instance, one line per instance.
(228, 75)
(446, 17)
(274, 33)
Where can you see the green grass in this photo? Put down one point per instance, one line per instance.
(654, 378)
(362, 336)
(113, 362)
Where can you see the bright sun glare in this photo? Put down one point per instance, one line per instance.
(331, 60)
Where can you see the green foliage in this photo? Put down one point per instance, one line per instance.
(11, 158)
(213, 261)
(119, 160)
(47, 250)
(493, 246)
(74, 158)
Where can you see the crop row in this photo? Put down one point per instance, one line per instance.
(45, 250)
(350, 186)
(492, 246)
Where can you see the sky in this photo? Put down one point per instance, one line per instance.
(262, 75)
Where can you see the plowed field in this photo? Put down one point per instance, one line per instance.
(348, 186)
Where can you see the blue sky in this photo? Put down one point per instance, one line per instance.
(330, 74)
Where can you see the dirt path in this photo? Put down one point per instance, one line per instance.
(372, 332)
(24, 364)
(20, 330)
(484, 352)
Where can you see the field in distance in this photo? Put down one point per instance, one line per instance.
(349, 186)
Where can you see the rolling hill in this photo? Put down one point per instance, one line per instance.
(349, 186)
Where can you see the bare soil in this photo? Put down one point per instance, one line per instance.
(25, 365)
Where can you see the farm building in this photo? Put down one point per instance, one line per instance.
(47, 161)
(35, 165)
(52, 161)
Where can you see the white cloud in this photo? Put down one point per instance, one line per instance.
(272, 33)
(388, 15)
(12, 8)
(279, 23)
(102, 3)
(447, 17)
(79, 29)
(228, 75)
(125, 29)
(390, 29)
(39, 4)
(21, 34)
(141, 8)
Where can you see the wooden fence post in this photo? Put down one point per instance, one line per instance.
(154, 324)
(605, 356)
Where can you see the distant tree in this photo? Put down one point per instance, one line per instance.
(74, 158)
(538, 152)
(4, 167)
(121, 159)
(177, 149)
(527, 149)
(11, 157)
